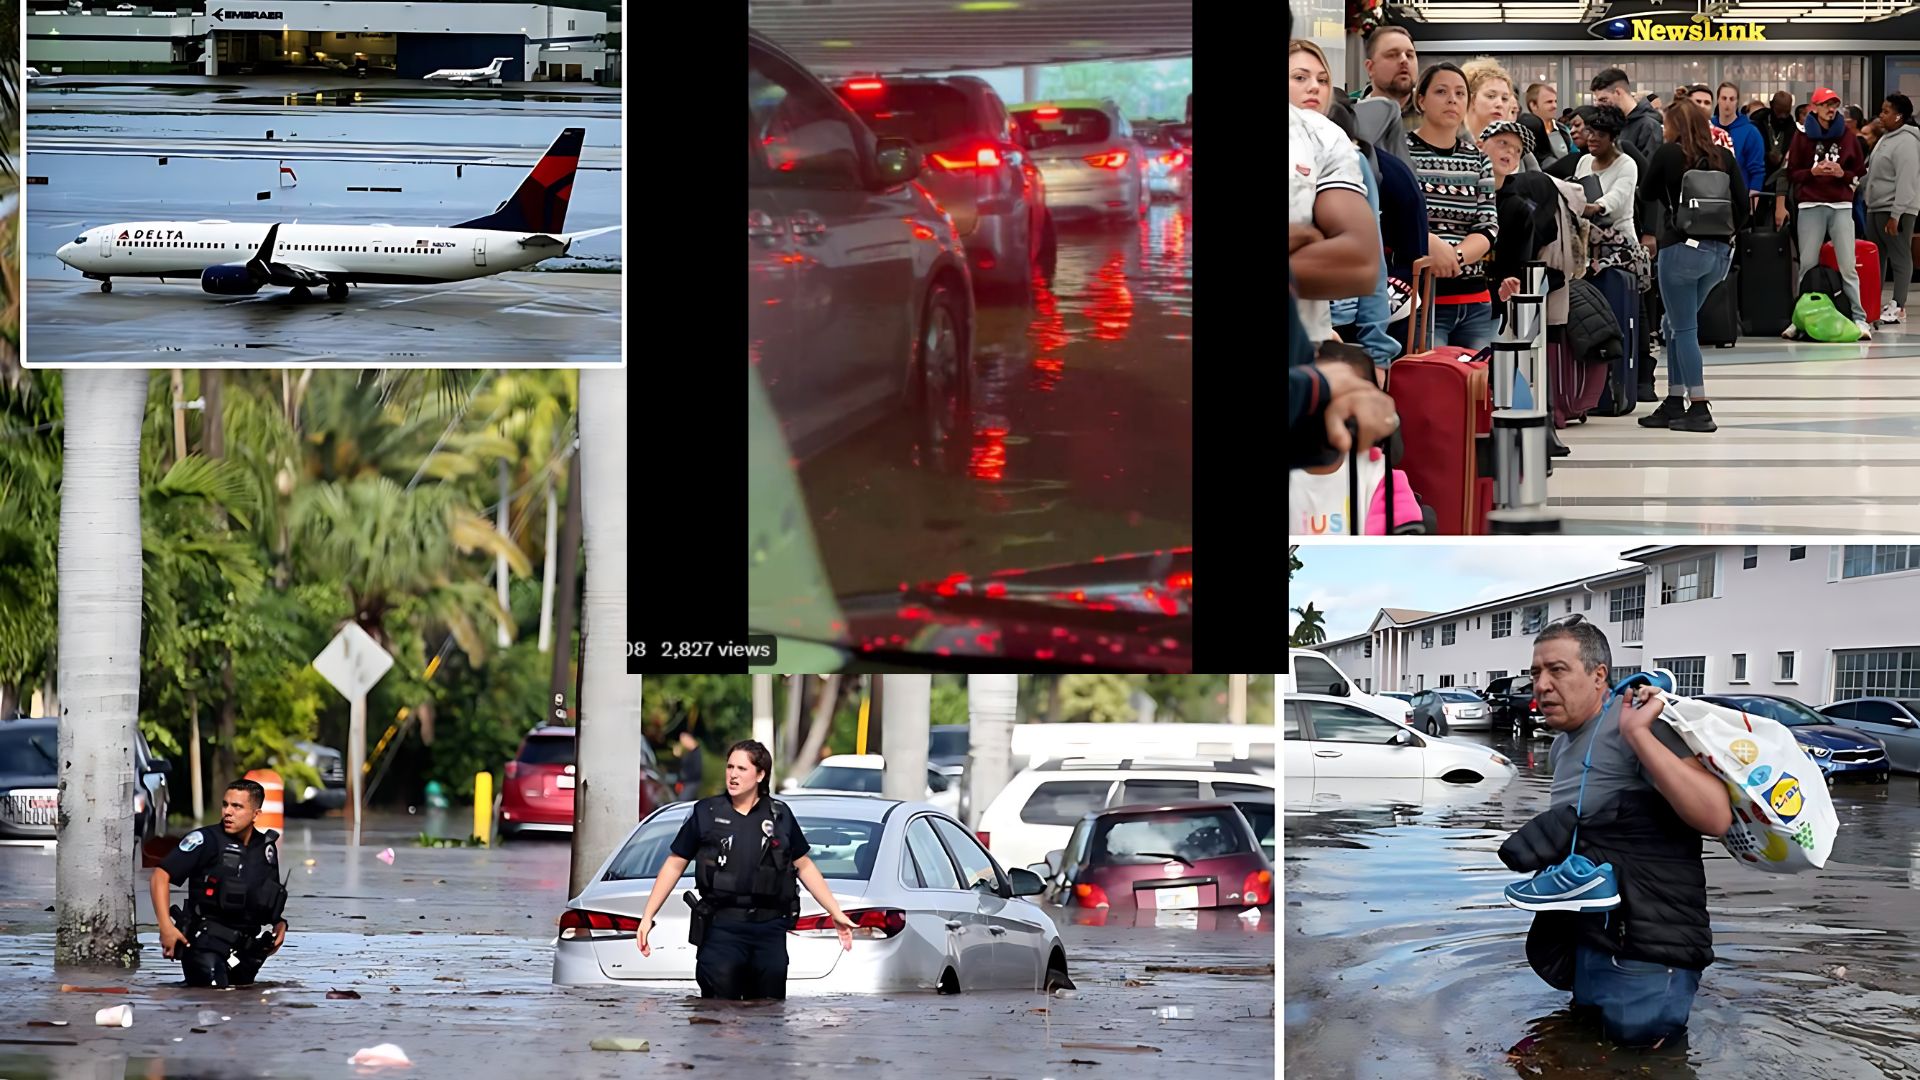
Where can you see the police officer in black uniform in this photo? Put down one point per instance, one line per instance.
(749, 859)
(235, 895)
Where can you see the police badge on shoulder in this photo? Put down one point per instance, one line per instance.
(191, 840)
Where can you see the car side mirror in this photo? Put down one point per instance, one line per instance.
(895, 161)
(1338, 689)
(1403, 737)
(1026, 883)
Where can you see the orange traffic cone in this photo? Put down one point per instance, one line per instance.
(273, 812)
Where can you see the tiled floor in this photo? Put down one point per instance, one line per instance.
(1813, 438)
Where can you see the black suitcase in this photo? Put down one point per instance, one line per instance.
(1720, 315)
(1765, 259)
(1621, 395)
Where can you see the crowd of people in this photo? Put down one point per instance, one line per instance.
(1453, 164)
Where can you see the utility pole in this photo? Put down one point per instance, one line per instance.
(1236, 699)
(906, 717)
(992, 710)
(763, 722)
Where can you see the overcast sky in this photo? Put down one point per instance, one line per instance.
(1349, 583)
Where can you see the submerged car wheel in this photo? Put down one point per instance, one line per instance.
(1047, 247)
(944, 382)
(1057, 974)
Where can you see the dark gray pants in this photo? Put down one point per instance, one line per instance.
(1896, 252)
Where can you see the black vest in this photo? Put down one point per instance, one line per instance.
(239, 886)
(1662, 917)
(761, 877)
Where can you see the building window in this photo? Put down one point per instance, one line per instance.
(1687, 580)
(1689, 674)
(1877, 673)
(1535, 618)
(1621, 672)
(1750, 558)
(1796, 552)
(570, 26)
(1585, 605)
(1789, 665)
(1503, 624)
(1569, 610)
(1861, 560)
(1446, 638)
(1492, 675)
(1739, 667)
(1369, 656)
(1426, 637)
(1419, 682)
(1445, 680)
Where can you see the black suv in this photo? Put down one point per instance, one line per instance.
(1512, 700)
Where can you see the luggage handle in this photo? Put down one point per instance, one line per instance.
(1419, 328)
(1356, 514)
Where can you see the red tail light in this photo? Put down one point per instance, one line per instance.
(1258, 888)
(1092, 896)
(986, 157)
(986, 839)
(865, 86)
(513, 769)
(1112, 159)
(881, 922)
(1173, 160)
(1047, 112)
(575, 924)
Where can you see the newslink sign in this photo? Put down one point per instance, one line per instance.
(1676, 26)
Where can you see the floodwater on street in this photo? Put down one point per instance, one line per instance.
(1403, 959)
(450, 952)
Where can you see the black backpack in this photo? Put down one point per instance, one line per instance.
(1825, 279)
(1706, 205)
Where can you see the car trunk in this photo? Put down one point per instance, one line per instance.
(808, 957)
(934, 118)
(546, 787)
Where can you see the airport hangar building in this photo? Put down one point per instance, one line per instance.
(408, 40)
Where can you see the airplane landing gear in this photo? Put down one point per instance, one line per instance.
(336, 291)
(106, 286)
(301, 292)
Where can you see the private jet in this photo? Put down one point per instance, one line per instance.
(489, 74)
(241, 258)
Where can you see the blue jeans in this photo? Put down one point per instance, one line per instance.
(1687, 274)
(1640, 1003)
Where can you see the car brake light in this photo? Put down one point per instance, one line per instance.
(878, 922)
(1092, 896)
(1258, 888)
(577, 923)
(986, 839)
(865, 86)
(1047, 112)
(1173, 160)
(1112, 159)
(985, 157)
(513, 769)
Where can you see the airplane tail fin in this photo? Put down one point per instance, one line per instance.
(540, 204)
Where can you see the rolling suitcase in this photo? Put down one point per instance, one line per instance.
(1765, 259)
(1619, 394)
(1720, 315)
(1446, 414)
(1866, 263)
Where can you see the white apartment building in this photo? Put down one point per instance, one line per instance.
(1819, 623)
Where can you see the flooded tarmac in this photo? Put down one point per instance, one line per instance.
(1083, 428)
(1403, 959)
(450, 953)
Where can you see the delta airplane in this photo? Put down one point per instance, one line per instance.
(490, 73)
(240, 258)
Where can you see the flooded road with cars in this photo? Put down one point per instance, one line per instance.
(1403, 959)
(1082, 432)
(448, 954)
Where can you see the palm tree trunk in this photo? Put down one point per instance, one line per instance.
(561, 683)
(546, 577)
(607, 800)
(992, 702)
(99, 643)
(213, 444)
(502, 638)
(822, 726)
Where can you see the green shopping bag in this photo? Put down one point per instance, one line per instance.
(1817, 318)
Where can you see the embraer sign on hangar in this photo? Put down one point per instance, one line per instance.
(220, 14)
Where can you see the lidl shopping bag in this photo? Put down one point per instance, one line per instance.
(1783, 819)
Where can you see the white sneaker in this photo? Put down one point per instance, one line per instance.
(1791, 333)
(1891, 313)
(1866, 332)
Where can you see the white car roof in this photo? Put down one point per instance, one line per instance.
(855, 761)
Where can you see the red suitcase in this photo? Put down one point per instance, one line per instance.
(1446, 414)
(1866, 262)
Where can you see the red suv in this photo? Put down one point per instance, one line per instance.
(1173, 855)
(537, 793)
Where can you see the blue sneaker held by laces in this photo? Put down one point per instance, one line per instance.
(1573, 884)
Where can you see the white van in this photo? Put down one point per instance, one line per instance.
(1309, 672)
(1037, 743)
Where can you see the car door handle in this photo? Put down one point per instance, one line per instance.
(1326, 753)
(997, 931)
(953, 926)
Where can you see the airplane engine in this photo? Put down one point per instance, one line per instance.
(229, 281)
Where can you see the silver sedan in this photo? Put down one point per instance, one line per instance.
(935, 911)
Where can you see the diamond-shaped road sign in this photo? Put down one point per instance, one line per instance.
(353, 661)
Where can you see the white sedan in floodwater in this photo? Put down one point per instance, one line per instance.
(1331, 737)
(934, 910)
